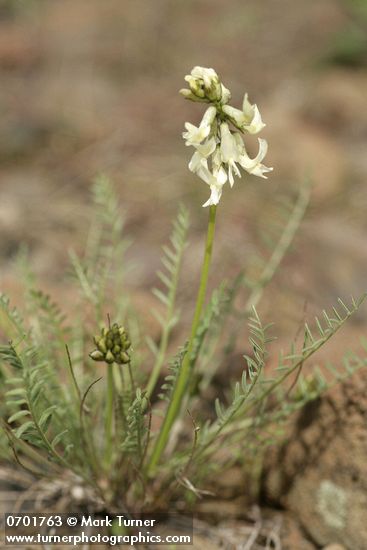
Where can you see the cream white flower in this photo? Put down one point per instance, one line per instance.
(254, 166)
(215, 195)
(215, 180)
(231, 148)
(252, 114)
(234, 114)
(209, 116)
(201, 155)
(196, 134)
(226, 95)
(249, 119)
(217, 159)
(219, 149)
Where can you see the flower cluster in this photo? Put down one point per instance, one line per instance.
(112, 345)
(219, 149)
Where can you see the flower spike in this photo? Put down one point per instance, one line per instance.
(219, 149)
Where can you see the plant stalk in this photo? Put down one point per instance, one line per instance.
(184, 373)
(109, 415)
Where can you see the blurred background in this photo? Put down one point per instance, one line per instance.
(91, 86)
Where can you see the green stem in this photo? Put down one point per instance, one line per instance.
(109, 414)
(132, 381)
(184, 373)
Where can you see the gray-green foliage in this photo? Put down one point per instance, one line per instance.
(53, 396)
(169, 277)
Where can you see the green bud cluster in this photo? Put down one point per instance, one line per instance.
(205, 86)
(112, 345)
(212, 92)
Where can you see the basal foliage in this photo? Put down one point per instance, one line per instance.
(62, 412)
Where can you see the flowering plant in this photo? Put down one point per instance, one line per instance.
(149, 437)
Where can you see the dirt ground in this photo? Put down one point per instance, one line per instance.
(91, 87)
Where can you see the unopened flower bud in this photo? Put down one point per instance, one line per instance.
(110, 358)
(192, 97)
(204, 83)
(112, 345)
(124, 357)
(101, 345)
(109, 343)
(97, 355)
(214, 92)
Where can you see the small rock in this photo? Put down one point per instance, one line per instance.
(320, 473)
(292, 537)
